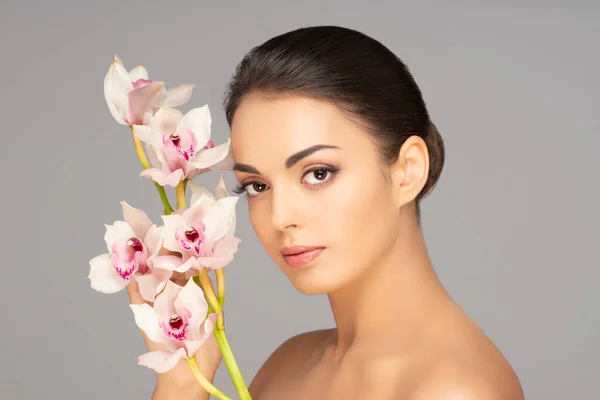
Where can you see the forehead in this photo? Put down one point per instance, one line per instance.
(288, 124)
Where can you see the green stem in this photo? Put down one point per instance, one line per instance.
(206, 384)
(220, 285)
(180, 191)
(232, 367)
(211, 298)
(139, 149)
(219, 332)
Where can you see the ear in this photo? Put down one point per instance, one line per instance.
(410, 171)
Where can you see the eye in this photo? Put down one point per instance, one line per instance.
(251, 188)
(319, 176)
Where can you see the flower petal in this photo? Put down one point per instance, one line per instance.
(138, 72)
(223, 253)
(197, 192)
(210, 157)
(221, 189)
(119, 230)
(165, 122)
(195, 214)
(172, 224)
(191, 298)
(153, 239)
(161, 361)
(174, 263)
(178, 95)
(221, 192)
(198, 121)
(151, 283)
(116, 86)
(163, 178)
(136, 219)
(164, 304)
(219, 219)
(144, 133)
(103, 276)
(142, 101)
(192, 346)
(225, 164)
(147, 319)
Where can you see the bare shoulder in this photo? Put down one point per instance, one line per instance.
(454, 380)
(291, 353)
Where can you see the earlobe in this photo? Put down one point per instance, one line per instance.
(412, 168)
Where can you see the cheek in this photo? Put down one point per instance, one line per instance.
(361, 215)
(261, 223)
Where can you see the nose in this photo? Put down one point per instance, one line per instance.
(285, 213)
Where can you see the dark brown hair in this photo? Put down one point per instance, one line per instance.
(351, 70)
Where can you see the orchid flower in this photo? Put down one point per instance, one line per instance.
(202, 234)
(179, 320)
(133, 98)
(132, 244)
(180, 146)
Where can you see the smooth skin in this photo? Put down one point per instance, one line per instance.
(398, 334)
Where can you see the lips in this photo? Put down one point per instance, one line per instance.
(301, 256)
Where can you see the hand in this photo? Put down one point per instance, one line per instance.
(180, 377)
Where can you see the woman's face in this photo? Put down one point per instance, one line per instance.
(313, 178)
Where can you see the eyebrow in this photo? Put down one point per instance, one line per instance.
(291, 160)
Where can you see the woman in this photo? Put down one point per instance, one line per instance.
(334, 148)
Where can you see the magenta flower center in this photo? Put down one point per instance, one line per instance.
(191, 239)
(177, 326)
(129, 257)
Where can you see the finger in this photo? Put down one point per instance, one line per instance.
(133, 291)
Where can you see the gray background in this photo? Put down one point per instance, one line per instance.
(512, 226)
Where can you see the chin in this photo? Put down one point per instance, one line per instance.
(316, 279)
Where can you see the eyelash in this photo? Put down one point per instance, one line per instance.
(240, 189)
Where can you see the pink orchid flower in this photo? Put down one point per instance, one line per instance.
(202, 234)
(180, 146)
(178, 320)
(133, 99)
(131, 244)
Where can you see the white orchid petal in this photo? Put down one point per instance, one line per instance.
(163, 178)
(153, 240)
(161, 361)
(103, 276)
(151, 283)
(226, 164)
(198, 191)
(191, 298)
(164, 303)
(165, 122)
(144, 133)
(221, 189)
(210, 157)
(174, 263)
(178, 95)
(198, 121)
(146, 318)
(204, 333)
(142, 102)
(154, 157)
(172, 224)
(195, 214)
(118, 231)
(219, 218)
(136, 219)
(116, 86)
(138, 72)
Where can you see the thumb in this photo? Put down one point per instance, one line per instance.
(133, 291)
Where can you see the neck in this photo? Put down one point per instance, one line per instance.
(394, 301)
